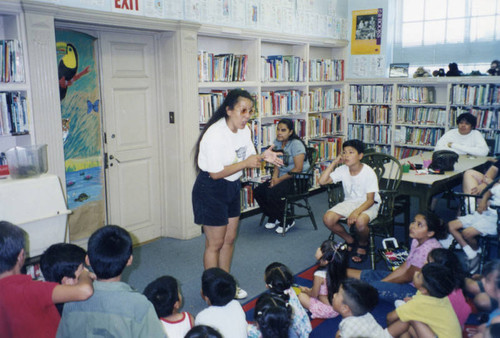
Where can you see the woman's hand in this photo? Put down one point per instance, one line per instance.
(305, 290)
(253, 161)
(271, 157)
(274, 181)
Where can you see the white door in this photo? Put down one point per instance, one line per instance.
(130, 123)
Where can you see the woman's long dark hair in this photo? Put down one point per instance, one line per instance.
(229, 102)
(290, 125)
(336, 270)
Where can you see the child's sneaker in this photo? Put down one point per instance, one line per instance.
(271, 225)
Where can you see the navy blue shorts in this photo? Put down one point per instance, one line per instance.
(215, 201)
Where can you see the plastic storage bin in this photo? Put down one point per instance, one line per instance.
(26, 162)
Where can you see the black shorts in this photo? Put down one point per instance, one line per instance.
(215, 201)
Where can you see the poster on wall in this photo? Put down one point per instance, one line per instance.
(81, 124)
(366, 35)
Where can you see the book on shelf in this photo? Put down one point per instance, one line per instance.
(370, 94)
(11, 58)
(221, 67)
(322, 99)
(328, 148)
(369, 114)
(326, 70)
(421, 115)
(282, 68)
(416, 94)
(13, 114)
(283, 102)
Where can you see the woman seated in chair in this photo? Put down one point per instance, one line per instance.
(269, 194)
(474, 182)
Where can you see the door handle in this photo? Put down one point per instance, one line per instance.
(111, 157)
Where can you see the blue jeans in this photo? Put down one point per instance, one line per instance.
(387, 291)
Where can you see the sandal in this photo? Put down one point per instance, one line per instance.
(360, 257)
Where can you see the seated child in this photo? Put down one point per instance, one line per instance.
(430, 306)
(279, 280)
(447, 258)
(165, 296)
(203, 331)
(483, 221)
(333, 262)
(361, 201)
(354, 301)
(223, 313)
(425, 231)
(62, 263)
(26, 306)
(273, 315)
(115, 310)
(484, 287)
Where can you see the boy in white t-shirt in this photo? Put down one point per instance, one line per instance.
(361, 201)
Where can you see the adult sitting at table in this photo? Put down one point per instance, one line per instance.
(464, 140)
(269, 194)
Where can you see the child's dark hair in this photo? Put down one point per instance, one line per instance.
(278, 277)
(438, 280)
(338, 262)
(61, 260)
(109, 250)
(450, 260)
(469, 118)
(356, 144)
(203, 331)
(274, 316)
(163, 292)
(434, 223)
(492, 331)
(12, 241)
(229, 102)
(360, 296)
(218, 285)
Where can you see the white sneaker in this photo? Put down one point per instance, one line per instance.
(240, 293)
(270, 225)
(279, 230)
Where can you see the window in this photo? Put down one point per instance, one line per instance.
(437, 32)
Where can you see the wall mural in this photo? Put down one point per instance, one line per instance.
(81, 125)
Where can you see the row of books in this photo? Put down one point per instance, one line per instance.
(370, 94)
(221, 67)
(283, 102)
(11, 59)
(324, 125)
(486, 118)
(321, 99)
(417, 136)
(369, 133)
(13, 114)
(209, 102)
(404, 152)
(326, 70)
(407, 94)
(475, 94)
(283, 68)
(370, 114)
(421, 115)
(328, 148)
(246, 197)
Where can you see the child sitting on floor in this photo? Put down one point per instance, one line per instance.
(450, 260)
(333, 262)
(165, 296)
(62, 263)
(279, 280)
(223, 313)
(27, 306)
(425, 230)
(354, 301)
(430, 308)
(273, 315)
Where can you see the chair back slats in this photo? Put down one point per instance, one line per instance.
(302, 182)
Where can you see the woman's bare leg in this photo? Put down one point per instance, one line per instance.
(226, 252)
(214, 240)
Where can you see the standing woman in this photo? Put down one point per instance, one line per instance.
(223, 150)
(269, 194)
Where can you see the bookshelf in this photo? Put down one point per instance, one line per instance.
(15, 121)
(405, 117)
(290, 76)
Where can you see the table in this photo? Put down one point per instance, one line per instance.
(424, 186)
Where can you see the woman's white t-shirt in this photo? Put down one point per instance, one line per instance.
(220, 147)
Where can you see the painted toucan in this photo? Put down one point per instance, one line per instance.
(68, 66)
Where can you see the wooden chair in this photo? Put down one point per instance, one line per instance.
(467, 205)
(302, 183)
(389, 172)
